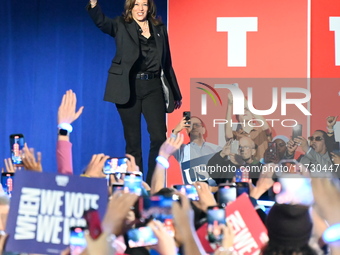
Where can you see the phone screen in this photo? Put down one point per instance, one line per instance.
(133, 183)
(297, 131)
(272, 148)
(159, 207)
(140, 237)
(169, 226)
(93, 223)
(7, 183)
(242, 174)
(77, 240)
(188, 190)
(215, 218)
(115, 165)
(17, 143)
(226, 194)
(116, 187)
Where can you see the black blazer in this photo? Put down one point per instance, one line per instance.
(127, 53)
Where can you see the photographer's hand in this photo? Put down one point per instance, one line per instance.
(180, 126)
(95, 167)
(29, 160)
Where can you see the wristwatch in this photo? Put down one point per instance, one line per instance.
(63, 132)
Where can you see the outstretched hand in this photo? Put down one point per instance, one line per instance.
(67, 109)
(171, 145)
(331, 121)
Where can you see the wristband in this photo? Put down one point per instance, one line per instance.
(66, 126)
(332, 234)
(163, 161)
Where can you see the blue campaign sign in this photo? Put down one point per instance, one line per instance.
(44, 206)
(195, 170)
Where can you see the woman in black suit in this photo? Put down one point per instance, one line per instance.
(141, 79)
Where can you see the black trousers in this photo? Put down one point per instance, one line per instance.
(146, 98)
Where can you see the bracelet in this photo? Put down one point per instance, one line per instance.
(66, 126)
(332, 234)
(111, 238)
(163, 161)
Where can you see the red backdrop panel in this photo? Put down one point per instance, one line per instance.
(278, 49)
(325, 83)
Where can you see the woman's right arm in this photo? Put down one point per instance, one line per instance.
(104, 23)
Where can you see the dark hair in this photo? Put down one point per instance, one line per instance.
(152, 10)
(165, 192)
(275, 249)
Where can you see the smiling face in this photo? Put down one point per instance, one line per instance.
(140, 10)
(318, 146)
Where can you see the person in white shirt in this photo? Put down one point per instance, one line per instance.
(197, 149)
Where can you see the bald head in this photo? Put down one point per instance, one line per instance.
(247, 149)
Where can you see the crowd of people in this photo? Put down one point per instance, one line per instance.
(294, 226)
(304, 220)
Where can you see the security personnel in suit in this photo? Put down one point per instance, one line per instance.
(141, 79)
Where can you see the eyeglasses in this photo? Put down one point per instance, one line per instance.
(317, 138)
(197, 125)
(244, 147)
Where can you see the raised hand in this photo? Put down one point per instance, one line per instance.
(170, 146)
(181, 125)
(206, 198)
(226, 149)
(67, 109)
(9, 167)
(30, 161)
(95, 167)
(331, 121)
(117, 210)
(166, 244)
(291, 147)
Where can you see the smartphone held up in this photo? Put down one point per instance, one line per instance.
(17, 143)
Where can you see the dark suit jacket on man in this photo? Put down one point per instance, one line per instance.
(127, 53)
